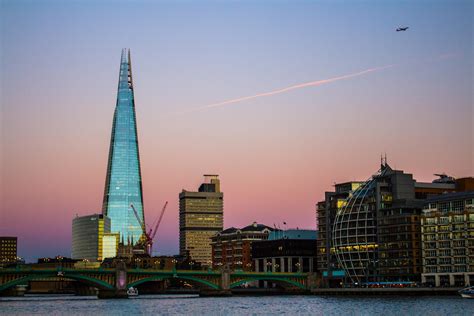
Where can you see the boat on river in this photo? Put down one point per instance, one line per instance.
(132, 291)
(467, 292)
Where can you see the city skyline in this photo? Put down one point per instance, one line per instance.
(276, 155)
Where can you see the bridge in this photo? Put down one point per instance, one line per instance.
(115, 282)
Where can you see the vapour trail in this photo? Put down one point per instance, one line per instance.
(315, 83)
(294, 87)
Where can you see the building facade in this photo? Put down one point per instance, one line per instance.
(291, 250)
(8, 250)
(123, 185)
(376, 233)
(448, 240)
(110, 245)
(201, 216)
(87, 236)
(331, 272)
(232, 247)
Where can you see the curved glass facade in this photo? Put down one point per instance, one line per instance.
(354, 234)
(123, 184)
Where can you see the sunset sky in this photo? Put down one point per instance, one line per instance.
(200, 70)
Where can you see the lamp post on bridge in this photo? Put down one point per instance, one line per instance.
(239, 265)
(174, 261)
(269, 267)
(249, 266)
(298, 266)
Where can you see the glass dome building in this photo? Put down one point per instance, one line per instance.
(354, 233)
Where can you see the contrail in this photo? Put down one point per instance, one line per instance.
(294, 87)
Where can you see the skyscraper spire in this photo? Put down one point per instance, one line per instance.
(123, 184)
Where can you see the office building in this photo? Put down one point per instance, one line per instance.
(293, 250)
(331, 272)
(8, 250)
(110, 245)
(376, 235)
(447, 225)
(123, 185)
(200, 218)
(87, 236)
(232, 247)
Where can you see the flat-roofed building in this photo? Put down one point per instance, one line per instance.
(292, 250)
(447, 225)
(110, 244)
(331, 272)
(87, 236)
(8, 250)
(201, 216)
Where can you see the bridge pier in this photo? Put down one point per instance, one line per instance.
(120, 290)
(224, 289)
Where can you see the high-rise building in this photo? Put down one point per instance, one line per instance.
(233, 246)
(448, 239)
(123, 185)
(87, 236)
(200, 218)
(8, 250)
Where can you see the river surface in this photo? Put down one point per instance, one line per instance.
(237, 305)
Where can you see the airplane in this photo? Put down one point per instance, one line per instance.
(402, 29)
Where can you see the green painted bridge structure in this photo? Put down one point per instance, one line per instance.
(115, 282)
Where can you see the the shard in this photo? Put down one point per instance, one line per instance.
(123, 184)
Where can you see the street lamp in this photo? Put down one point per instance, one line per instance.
(137, 263)
(191, 264)
(249, 266)
(174, 262)
(298, 266)
(269, 266)
(276, 267)
(239, 265)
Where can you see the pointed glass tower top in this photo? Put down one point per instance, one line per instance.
(123, 184)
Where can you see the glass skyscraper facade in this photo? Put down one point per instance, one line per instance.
(123, 185)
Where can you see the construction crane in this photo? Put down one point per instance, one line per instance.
(147, 239)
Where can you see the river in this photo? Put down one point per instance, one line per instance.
(237, 305)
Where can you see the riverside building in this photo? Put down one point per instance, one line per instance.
(292, 250)
(8, 250)
(232, 247)
(332, 274)
(87, 236)
(200, 217)
(376, 233)
(448, 239)
(123, 184)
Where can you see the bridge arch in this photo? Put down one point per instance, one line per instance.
(164, 277)
(77, 277)
(267, 278)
